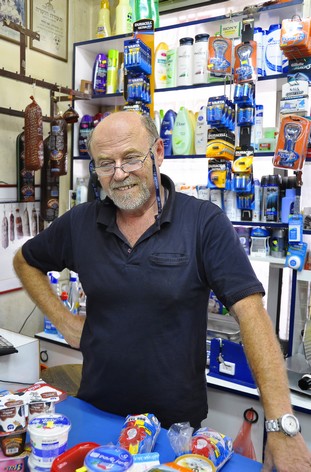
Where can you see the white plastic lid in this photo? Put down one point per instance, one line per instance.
(111, 457)
(49, 425)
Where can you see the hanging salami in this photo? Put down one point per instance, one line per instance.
(49, 187)
(12, 227)
(5, 232)
(25, 178)
(33, 136)
(58, 146)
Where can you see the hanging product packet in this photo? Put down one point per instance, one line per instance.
(295, 37)
(245, 62)
(292, 143)
(219, 56)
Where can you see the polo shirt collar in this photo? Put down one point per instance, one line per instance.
(107, 209)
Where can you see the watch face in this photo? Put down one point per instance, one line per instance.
(290, 424)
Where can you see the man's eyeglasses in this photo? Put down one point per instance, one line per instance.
(132, 164)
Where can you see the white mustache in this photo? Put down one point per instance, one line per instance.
(125, 183)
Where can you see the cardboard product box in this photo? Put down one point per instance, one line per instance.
(12, 464)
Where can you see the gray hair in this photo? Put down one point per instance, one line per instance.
(146, 121)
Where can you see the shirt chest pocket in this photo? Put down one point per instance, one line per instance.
(169, 259)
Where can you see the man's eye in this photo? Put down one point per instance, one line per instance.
(106, 164)
(132, 158)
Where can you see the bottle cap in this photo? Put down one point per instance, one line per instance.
(185, 41)
(201, 37)
(64, 296)
(104, 4)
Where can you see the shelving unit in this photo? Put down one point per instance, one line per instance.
(267, 90)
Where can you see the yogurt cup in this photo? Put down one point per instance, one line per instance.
(114, 458)
(38, 408)
(35, 468)
(48, 438)
(12, 418)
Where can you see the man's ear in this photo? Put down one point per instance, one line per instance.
(160, 151)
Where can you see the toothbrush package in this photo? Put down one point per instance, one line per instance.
(292, 143)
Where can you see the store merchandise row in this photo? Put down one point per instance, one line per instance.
(205, 58)
(70, 292)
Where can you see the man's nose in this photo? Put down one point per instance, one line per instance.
(119, 174)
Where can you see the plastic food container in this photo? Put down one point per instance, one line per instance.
(48, 438)
(196, 462)
(114, 458)
(40, 408)
(72, 459)
(35, 468)
(12, 418)
(13, 444)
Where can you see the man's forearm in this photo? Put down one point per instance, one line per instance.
(264, 355)
(38, 287)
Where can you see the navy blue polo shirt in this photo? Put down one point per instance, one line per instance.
(144, 339)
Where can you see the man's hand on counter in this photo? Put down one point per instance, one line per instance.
(295, 456)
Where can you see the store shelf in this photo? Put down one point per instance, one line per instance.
(300, 401)
(304, 276)
(53, 338)
(219, 82)
(272, 260)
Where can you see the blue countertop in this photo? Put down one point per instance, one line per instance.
(91, 424)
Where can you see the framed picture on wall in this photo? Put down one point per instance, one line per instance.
(15, 11)
(49, 18)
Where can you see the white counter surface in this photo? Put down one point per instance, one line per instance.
(300, 401)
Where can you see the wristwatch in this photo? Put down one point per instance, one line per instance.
(288, 424)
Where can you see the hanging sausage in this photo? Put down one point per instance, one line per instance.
(34, 225)
(33, 136)
(49, 187)
(25, 178)
(58, 146)
(19, 225)
(5, 231)
(12, 226)
(26, 224)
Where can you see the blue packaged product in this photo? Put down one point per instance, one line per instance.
(111, 457)
(100, 68)
(214, 445)
(166, 131)
(288, 203)
(244, 236)
(86, 126)
(273, 55)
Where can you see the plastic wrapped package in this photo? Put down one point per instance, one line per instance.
(139, 433)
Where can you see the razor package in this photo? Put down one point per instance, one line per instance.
(292, 143)
(219, 56)
(245, 60)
